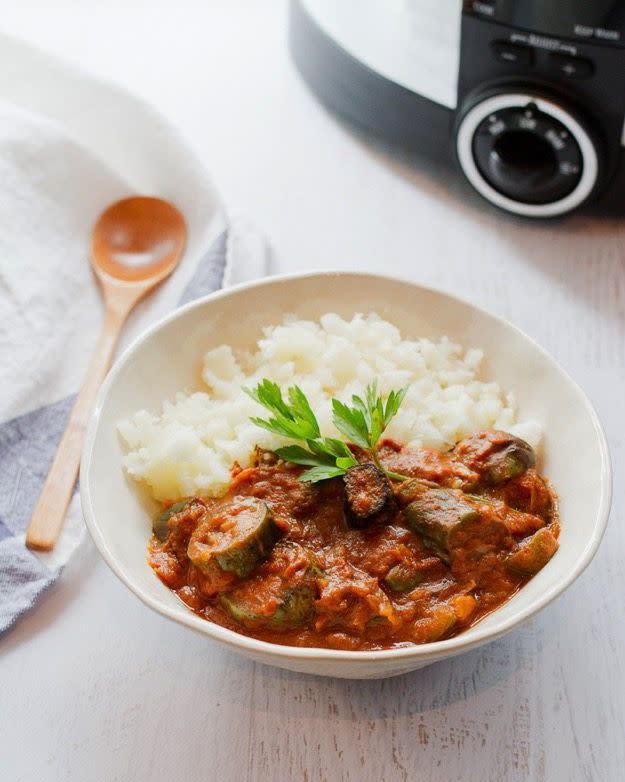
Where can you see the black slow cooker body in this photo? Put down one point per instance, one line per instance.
(538, 124)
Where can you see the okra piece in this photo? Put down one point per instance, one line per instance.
(402, 578)
(518, 523)
(513, 460)
(438, 515)
(235, 540)
(410, 490)
(160, 525)
(496, 456)
(368, 495)
(247, 607)
(448, 519)
(440, 622)
(533, 553)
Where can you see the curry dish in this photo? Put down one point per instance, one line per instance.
(410, 547)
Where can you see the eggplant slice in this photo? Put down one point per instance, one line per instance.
(368, 495)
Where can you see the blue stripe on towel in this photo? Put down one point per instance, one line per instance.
(27, 447)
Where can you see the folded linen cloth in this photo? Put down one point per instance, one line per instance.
(51, 191)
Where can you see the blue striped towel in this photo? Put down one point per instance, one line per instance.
(51, 190)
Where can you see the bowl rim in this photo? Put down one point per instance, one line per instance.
(420, 652)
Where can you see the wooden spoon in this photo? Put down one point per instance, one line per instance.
(136, 243)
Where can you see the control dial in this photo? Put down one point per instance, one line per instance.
(527, 154)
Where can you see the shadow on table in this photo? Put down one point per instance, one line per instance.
(56, 600)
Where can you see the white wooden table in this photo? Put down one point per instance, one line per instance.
(96, 688)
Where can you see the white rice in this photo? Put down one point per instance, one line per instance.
(192, 445)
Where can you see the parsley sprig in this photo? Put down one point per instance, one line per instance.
(362, 423)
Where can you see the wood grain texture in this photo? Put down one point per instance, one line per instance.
(49, 513)
(97, 677)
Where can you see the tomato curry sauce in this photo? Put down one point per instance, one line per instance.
(360, 562)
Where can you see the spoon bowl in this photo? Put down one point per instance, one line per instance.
(138, 239)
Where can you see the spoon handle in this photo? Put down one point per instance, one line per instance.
(47, 518)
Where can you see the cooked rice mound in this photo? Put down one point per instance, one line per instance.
(191, 446)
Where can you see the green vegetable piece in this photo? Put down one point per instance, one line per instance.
(496, 456)
(519, 524)
(439, 515)
(412, 489)
(533, 553)
(402, 578)
(160, 525)
(440, 623)
(236, 540)
(511, 462)
(294, 608)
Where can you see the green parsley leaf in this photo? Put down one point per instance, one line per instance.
(351, 422)
(362, 424)
(284, 428)
(365, 422)
(395, 398)
(300, 409)
(332, 447)
(316, 474)
(268, 394)
(345, 462)
(298, 455)
(297, 421)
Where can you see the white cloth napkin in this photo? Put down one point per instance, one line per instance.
(52, 189)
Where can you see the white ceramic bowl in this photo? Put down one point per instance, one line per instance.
(168, 356)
